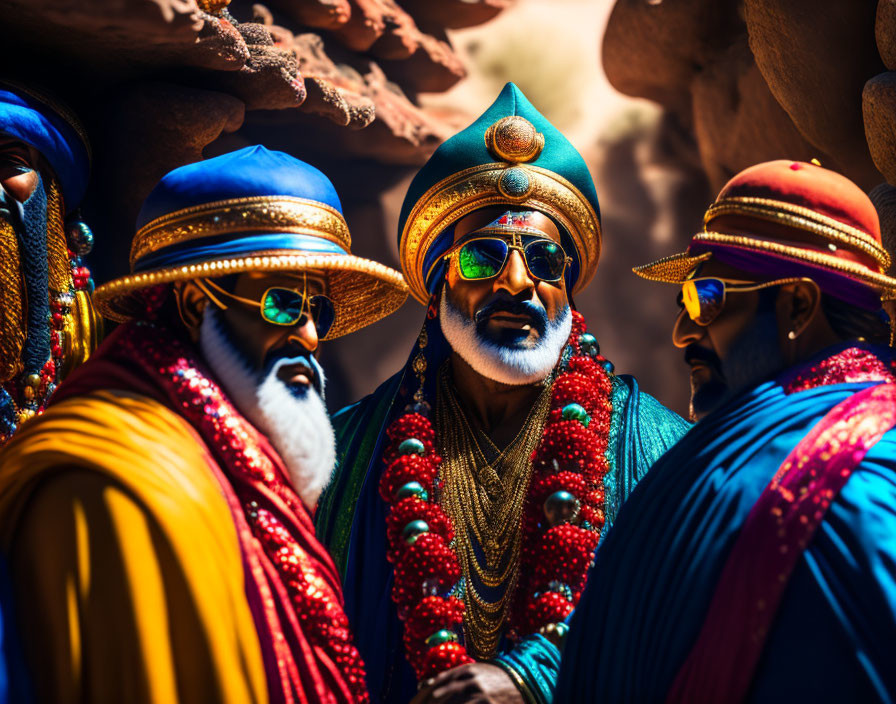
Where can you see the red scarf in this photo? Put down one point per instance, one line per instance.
(291, 583)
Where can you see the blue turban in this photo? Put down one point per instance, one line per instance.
(53, 132)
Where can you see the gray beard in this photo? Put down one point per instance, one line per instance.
(506, 365)
(297, 426)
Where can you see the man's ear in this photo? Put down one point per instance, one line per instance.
(191, 302)
(798, 307)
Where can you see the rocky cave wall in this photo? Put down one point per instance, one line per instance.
(755, 80)
(162, 83)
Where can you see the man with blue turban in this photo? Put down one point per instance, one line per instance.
(156, 518)
(473, 486)
(47, 324)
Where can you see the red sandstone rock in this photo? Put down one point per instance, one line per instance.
(344, 108)
(654, 49)
(320, 14)
(885, 32)
(883, 196)
(815, 56)
(365, 26)
(879, 109)
(433, 68)
(400, 38)
(454, 14)
(108, 43)
(301, 91)
(417, 132)
(221, 46)
(337, 92)
(270, 80)
(737, 120)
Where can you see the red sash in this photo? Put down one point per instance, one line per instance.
(779, 527)
(292, 586)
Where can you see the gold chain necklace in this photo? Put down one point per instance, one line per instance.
(485, 502)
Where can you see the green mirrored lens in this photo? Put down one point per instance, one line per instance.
(546, 260)
(282, 306)
(482, 259)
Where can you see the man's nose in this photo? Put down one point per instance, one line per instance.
(514, 277)
(305, 334)
(686, 331)
(20, 185)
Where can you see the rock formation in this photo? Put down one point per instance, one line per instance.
(160, 83)
(762, 79)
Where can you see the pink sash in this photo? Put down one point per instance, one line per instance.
(721, 665)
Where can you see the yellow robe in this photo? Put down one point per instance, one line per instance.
(127, 576)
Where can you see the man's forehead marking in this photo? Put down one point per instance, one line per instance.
(525, 221)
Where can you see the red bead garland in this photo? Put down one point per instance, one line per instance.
(554, 559)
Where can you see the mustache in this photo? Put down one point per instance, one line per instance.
(291, 354)
(694, 353)
(515, 307)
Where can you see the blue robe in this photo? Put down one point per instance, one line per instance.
(834, 637)
(351, 520)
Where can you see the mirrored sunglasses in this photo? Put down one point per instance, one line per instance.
(486, 257)
(283, 306)
(704, 298)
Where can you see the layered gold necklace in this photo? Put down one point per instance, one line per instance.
(483, 492)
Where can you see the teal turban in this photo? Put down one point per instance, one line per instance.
(511, 155)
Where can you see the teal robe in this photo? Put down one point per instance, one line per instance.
(351, 520)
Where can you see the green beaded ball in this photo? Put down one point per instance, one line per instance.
(414, 530)
(411, 446)
(412, 489)
(561, 507)
(588, 344)
(574, 411)
(439, 637)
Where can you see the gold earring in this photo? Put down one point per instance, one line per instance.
(791, 335)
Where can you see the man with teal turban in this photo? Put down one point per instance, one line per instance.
(473, 486)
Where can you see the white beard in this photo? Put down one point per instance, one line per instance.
(297, 426)
(506, 365)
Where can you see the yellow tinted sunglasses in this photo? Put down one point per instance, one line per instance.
(704, 298)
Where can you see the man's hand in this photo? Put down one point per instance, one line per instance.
(479, 682)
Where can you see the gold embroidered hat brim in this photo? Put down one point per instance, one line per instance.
(676, 268)
(673, 269)
(363, 291)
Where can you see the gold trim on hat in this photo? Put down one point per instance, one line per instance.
(260, 214)
(362, 291)
(674, 269)
(801, 218)
(477, 187)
